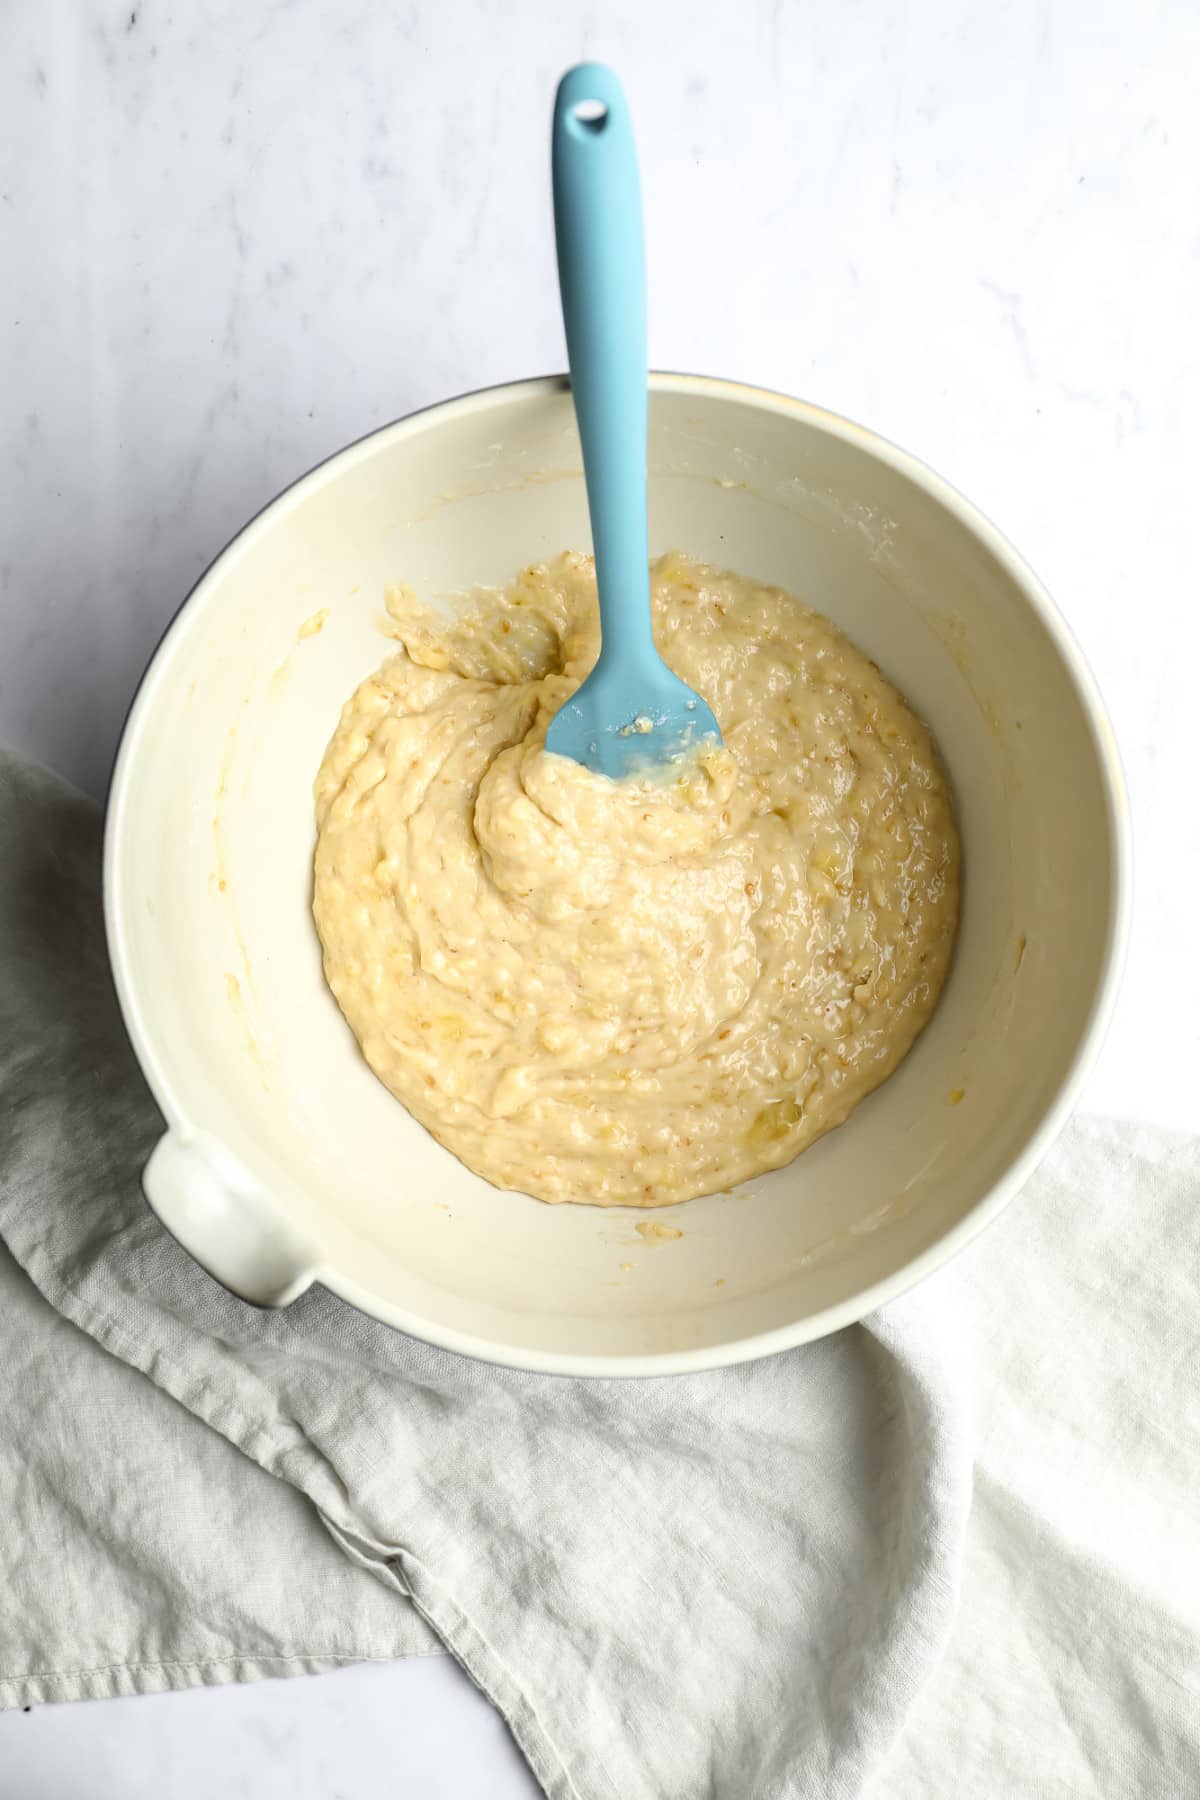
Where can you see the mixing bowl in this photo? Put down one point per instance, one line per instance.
(285, 1161)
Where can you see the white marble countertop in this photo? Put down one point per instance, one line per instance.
(241, 234)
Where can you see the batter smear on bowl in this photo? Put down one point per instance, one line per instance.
(631, 993)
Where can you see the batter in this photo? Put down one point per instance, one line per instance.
(629, 993)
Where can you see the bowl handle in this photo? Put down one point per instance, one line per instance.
(217, 1211)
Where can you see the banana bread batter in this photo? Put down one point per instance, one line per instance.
(631, 993)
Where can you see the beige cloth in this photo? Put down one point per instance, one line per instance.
(740, 1585)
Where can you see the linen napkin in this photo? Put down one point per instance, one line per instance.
(1073, 1672)
(729, 1585)
(139, 1551)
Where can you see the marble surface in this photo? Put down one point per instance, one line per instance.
(240, 234)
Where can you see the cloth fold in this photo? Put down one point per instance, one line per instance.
(733, 1585)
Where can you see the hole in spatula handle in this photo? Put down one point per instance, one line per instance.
(591, 114)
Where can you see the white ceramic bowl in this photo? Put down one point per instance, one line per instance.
(286, 1162)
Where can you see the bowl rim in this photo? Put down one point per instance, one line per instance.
(1041, 1136)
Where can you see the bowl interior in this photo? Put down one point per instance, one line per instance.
(210, 875)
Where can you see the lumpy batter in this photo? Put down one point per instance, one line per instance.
(629, 993)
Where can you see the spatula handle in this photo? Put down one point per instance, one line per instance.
(602, 278)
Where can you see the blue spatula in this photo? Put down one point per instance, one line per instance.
(631, 712)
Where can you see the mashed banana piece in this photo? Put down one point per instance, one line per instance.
(631, 993)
